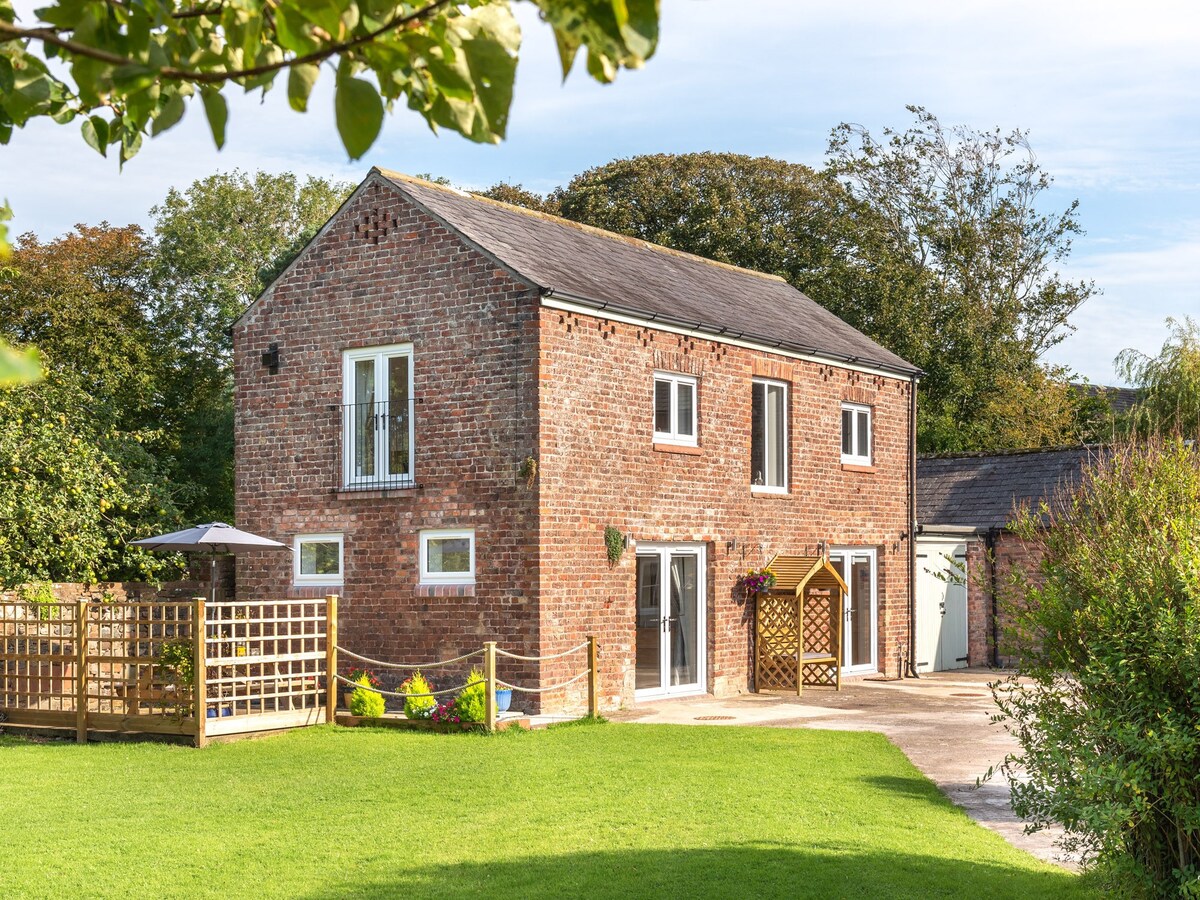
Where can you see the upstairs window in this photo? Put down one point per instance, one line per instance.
(856, 434)
(768, 436)
(317, 559)
(674, 409)
(448, 556)
(377, 417)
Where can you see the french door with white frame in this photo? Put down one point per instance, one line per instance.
(670, 638)
(377, 425)
(860, 625)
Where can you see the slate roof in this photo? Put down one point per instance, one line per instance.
(1120, 399)
(980, 490)
(623, 274)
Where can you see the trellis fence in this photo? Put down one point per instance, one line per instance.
(488, 654)
(173, 667)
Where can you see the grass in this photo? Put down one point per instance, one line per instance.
(588, 810)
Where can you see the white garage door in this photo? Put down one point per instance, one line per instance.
(941, 605)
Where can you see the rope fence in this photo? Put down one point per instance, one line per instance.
(489, 652)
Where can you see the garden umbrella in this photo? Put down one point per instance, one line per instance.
(213, 538)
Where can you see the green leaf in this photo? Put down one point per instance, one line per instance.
(6, 75)
(18, 366)
(95, 134)
(218, 114)
(300, 84)
(359, 113)
(169, 115)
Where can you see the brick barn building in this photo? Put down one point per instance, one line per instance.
(444, 403)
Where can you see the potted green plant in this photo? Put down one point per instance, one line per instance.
(503, 698)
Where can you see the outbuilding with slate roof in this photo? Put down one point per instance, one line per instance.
(964, 505)
(474, 422)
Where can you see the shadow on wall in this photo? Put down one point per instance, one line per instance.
(735, 871)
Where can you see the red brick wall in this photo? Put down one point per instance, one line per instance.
(599, 467)
(385, 273)
(1011, 553)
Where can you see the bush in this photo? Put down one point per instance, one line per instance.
(418, 707)
(1106, 704)
(470, 704)
(364, 702)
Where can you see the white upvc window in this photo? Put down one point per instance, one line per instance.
(675, 409)
(377, 423)
(448, 556)
(768, 436)
(317, 559)
(856, 434)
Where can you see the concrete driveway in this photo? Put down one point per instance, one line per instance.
(941, 722)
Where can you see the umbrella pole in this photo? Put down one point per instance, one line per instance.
(212, 577)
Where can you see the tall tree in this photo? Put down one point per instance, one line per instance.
(214, 243)
(1169, 399)
(962, 218)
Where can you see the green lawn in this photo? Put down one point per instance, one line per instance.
(595, 810)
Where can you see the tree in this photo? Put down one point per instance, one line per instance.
(127, 70)
(1169, 399)
(517, 195)
(214, 244)
(1106, 699)
(75, 489)
(962, 223)
(83, 299)
(16, 366)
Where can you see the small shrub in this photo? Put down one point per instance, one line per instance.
(614, 544)
(364, 702)
(418, 707)
(40, 595)
(471, 702)
(176, 661)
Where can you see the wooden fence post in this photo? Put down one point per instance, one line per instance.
(199, 670)
(81, 672)
(489, 684)
(331, 640)
(593, 680)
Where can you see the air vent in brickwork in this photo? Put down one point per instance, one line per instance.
(375, 225)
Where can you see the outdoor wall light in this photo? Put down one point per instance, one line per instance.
(270, 359)
(731, 545)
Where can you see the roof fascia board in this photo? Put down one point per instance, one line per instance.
(561, 301)
(950, 531)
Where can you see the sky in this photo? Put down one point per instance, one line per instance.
(1109, 93)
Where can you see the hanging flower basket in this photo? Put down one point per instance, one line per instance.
(758, 581)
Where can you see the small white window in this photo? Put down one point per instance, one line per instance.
(768, 437)
(856, 434)
(674, 409)
(318, 559)
(448, 556)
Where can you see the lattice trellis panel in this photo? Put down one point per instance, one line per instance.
(264, 657)
(820, 637)
(777, 641)
(38, 654)
(126, 640)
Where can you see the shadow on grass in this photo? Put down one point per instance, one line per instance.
(747, 870)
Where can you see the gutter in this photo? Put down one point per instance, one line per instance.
(722, 332)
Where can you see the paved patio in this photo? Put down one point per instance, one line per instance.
(941, 721)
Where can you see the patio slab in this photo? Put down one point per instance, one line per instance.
(941, 721)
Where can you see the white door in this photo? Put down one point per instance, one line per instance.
(941, 605)
(669, 641)
(860, 628)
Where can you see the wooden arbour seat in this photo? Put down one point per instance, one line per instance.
(798, 625)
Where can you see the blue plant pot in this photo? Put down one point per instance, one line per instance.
(503, 699)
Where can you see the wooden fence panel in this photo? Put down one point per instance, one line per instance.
(125, 645)
(38, 654)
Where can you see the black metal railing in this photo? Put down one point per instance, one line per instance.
(377, 445)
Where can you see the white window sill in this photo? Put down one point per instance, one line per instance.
(864, 461)
(446, 583)
(760, 489)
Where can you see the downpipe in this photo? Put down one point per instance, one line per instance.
(912, 530)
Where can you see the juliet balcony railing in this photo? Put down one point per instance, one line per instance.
(377, 449)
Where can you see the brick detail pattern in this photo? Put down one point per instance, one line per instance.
(498, 379)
